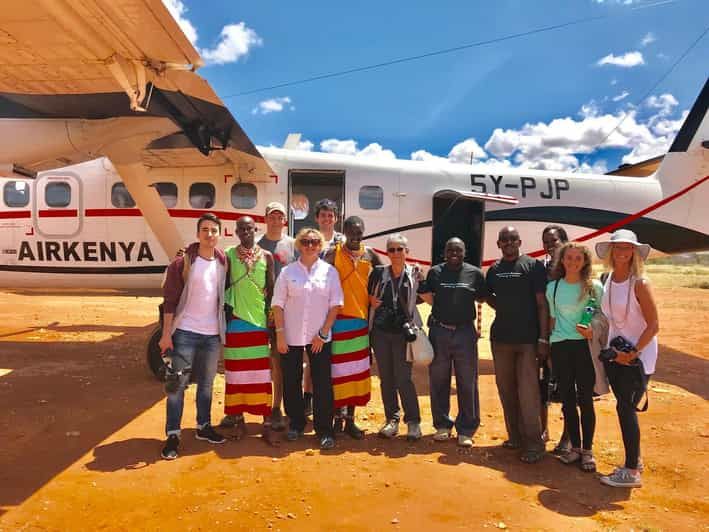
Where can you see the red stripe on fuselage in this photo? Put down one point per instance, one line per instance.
(8, 215)
(58, 213)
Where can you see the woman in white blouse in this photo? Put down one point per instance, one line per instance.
(306, 299)
(629, 305)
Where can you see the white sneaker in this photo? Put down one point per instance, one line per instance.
(390, 430)
(442, 435)
(622, 478)
(464, 441)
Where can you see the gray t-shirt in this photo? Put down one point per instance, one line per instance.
(283, 251)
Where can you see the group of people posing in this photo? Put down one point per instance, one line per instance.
(326, 299)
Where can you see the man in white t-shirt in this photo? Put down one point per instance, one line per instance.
(194, 330)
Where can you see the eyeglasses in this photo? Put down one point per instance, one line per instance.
(310, 242)
(395, 250)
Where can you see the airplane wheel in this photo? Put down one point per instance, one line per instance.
(154, 359)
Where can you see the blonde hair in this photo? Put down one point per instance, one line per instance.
(559, 271)
(306, 231)
(637, 264)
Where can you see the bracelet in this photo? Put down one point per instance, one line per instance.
(322, 336)
(543, 341)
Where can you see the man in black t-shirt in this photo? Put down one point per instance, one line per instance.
(517, 284)
(452, 288)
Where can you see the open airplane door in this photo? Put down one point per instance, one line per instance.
(116, 78)
(461, 214)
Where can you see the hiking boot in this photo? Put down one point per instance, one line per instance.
(622, 478)
(464, 440)
(442, 435)
(207, 433)
(169, 452)
(390, 430)
(278, 422)
(353, 430)
(413, 431)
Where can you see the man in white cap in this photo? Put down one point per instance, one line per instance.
(282, 247)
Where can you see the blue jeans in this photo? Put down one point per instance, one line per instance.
(457, 350)
(201, 352)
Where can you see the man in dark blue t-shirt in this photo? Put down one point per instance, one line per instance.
(452, 288)
(517, 284)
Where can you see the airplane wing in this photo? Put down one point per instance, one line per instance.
(80, 79)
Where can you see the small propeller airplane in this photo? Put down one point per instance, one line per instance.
(113, 146)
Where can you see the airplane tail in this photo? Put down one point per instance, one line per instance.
(684, 176)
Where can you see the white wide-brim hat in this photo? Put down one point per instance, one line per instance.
(622, 236)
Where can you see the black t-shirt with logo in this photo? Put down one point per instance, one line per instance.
(455, 292)
(515, 285)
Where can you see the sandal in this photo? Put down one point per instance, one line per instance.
(510, 444)
(531, 457)
(588, 463)
(571, 457)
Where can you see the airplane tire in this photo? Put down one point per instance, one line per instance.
(154, 359)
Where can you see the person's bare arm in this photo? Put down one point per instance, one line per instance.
(165, 342)
(649, 310)
(279, 321)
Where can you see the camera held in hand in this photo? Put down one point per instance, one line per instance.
(409, 332)
(617, 344)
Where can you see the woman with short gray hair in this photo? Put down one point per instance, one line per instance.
(392, 296)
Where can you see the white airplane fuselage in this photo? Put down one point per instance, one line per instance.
(93, 242)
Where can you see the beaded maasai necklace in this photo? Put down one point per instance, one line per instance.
(249, 256)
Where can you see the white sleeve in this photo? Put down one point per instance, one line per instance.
(337, 298)
(280, 290)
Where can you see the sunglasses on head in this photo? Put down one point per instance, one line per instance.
(309, 242)
(395, 250)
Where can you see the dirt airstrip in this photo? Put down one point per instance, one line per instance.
(82, 421)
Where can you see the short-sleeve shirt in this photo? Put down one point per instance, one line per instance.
(455, 292)
(283, 251)
(567, 308)
(515, 285)
(306, 296)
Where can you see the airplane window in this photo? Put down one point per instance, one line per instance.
(16, 193)
(168, 193)
(120, 197)
(243, 196)
(57, 194)
(371, 197)
(202, 195)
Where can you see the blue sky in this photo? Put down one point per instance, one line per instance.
(543, 101)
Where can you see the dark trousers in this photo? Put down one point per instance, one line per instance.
(517, 378)
(457, 349)
(395, 376)
(574, 371)
(628, 383)
(320, 364)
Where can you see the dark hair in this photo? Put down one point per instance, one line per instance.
(560, 231)
(209, 217)
(325, 204)
(353, 220)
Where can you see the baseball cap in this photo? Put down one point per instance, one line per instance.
(275, 206)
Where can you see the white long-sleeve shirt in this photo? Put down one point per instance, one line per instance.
(306, 297)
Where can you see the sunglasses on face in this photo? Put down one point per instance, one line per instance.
(310, 242)
(395, 250)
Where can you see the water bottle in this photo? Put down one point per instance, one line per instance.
(588, 312)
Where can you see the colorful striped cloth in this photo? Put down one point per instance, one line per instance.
(350, 362)
(246, 369)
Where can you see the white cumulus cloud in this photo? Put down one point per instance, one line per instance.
(305, 145)
(235, 41)
(178, 11)
(627, 60)
(465, 150)
(349, 147)
(272, 105)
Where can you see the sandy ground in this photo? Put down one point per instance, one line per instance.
(82, 424)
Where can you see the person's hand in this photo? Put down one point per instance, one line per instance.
(165, 343)
(281, 343)
(374, 302)
(316, 344)
(542, 351)
(626, 359)
(586, 332)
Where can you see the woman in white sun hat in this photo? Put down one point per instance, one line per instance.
(629, 305)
